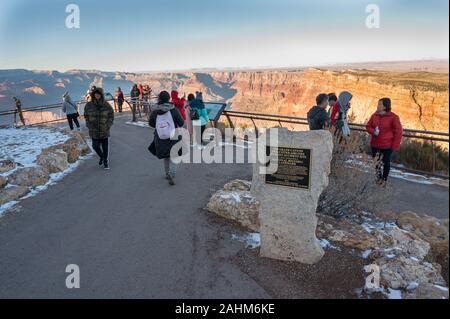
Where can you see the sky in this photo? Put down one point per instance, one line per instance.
(159, 35)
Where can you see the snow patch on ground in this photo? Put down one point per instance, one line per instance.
(139, 124)
(251, 240)
(393, 294)
(325, 244)
(399, 174)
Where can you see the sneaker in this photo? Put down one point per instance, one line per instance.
(171, 181)
(100, 163)
(106, 166)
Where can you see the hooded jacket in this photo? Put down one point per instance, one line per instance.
(99, 116)
(391, 131)
(340, 108)
(318, 118)
(134, 92)
(161, 147)
(69, 107)
(179, 104)
(199, 106)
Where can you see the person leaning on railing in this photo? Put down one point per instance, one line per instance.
(71, 110)
(318, 118)
(386, 130)
(18, 110)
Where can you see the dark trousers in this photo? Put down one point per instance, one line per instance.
(101, 147)
(383, 158)
(73, 118)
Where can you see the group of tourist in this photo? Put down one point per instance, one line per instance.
(173, 111)
(384, 126)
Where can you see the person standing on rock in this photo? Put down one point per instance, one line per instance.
(99, 117)
(165, 119)
(317, 116)
(18, 110)
(71, 111)
(386, 130)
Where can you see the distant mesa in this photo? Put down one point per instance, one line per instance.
(35, 90)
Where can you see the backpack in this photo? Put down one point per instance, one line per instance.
(194, 114)
(165, 125)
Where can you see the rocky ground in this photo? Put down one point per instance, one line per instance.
(411, 252)
(32, 158)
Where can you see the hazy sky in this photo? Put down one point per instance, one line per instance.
(135, 35)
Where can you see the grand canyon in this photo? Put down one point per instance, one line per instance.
(419, 90)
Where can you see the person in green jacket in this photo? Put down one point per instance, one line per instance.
(201, 122)
(99, 116)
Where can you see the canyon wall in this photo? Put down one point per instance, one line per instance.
(421, 99)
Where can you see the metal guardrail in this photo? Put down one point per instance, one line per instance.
(441, 137)
(408, 133)
(418, 134)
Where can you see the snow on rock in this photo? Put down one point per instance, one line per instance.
(411, 251)
(239, 206)
(23, 145)
(32, 158)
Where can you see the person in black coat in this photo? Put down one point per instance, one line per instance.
(161, 147)
(318, 118)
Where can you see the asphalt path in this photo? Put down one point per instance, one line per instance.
(134, 236)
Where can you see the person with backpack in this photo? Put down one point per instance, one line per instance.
(99, 116)
(317, 116)
(119, 99)
(199, 117)
(71, 111)
(165, 119)
(386, 130)
(338, 117)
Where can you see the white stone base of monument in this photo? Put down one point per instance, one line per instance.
(289, 200)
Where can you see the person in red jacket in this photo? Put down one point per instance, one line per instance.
(179, 103)
(386, 130)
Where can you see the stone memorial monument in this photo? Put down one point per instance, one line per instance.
(289, 197)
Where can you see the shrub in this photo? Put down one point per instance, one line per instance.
(352, 184)
(419, 155)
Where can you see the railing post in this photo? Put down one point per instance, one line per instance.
(256, 128)
(434, 157)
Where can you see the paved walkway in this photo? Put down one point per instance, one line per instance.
(134, 236)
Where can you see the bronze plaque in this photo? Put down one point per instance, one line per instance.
(294, 166)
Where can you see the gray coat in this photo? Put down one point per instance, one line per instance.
(69, 107)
